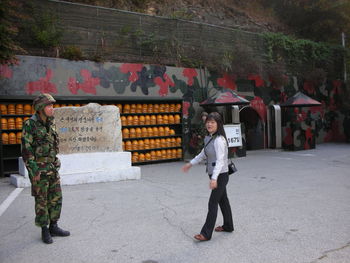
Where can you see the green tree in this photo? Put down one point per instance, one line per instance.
(319, 20)
(8, 31)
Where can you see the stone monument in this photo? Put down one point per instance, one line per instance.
(90, 147)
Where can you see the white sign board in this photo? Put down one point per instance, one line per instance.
(233, 134)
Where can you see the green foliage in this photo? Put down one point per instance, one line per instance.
(298, 52)
(45, 33)
(319, 20)
(8, 47)
(181, 14)
(72, 53)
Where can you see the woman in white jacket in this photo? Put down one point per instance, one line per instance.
(215, 152)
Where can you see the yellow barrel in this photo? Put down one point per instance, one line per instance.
(168, 154)
(146, 144)
(159, 119)
(141, 120)
(19, 109)
(171, 132)
(3, 124)
(18, 137)
(156, 108)
(178, 141)
(135, 120)
(152, 143)
(135, 145)
(3, 109)
(11, 124)
(126, 108)
(158, 155)
(163, 154)
(167, 107)
(155, 131)
(173, 142)
(163, 143)
(124, 121)
(128, 146)
(27, 109)
(138, 108)
(144, 132)
(132, 133)
(157, 143)
(147, 120)
(19, 123)
(178, 107)
(148, 157)
(179, 153)
(135, 157)
(168, 142)
(153, 155)
(171, 119)
(141, 157)
(12, 138)
(141, 145)
(133, 108)
(165, 119)
(166, 131)
(144, 108)
(161, 107)
(173, 153)
(172, 108)
(153, 120)
(161, 131)
(130, 120)
(150, 132)
(5, 138)
(138, 132)
(126, 133)
(177, 118)
(11, 109)
(150, 108)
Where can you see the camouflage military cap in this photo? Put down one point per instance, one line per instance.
(43, 100)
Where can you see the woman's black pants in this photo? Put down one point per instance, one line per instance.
(218, 197)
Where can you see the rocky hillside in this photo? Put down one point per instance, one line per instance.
(245, 15)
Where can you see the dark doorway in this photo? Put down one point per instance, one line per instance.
(252, 127)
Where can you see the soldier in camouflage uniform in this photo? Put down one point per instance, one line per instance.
(39, 152)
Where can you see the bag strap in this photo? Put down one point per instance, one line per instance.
(207, 144)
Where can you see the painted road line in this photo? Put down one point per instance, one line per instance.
(9, 200)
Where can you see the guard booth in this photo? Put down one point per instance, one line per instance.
(298, 125)
(227, 102)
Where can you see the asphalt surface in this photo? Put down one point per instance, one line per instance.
(287, 207)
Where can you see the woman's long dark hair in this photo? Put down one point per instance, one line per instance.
(215, 116)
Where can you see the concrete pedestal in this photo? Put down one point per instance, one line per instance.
(83, 168)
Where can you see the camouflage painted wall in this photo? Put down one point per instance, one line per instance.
(61, 77)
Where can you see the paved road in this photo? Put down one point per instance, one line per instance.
(287, 206)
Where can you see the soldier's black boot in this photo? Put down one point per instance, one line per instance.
(45, 235)
(56, 231)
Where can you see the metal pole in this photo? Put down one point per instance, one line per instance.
(343, 43)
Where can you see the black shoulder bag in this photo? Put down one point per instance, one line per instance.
(231, 168)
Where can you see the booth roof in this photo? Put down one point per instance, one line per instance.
(300, 100)
(224, 97)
